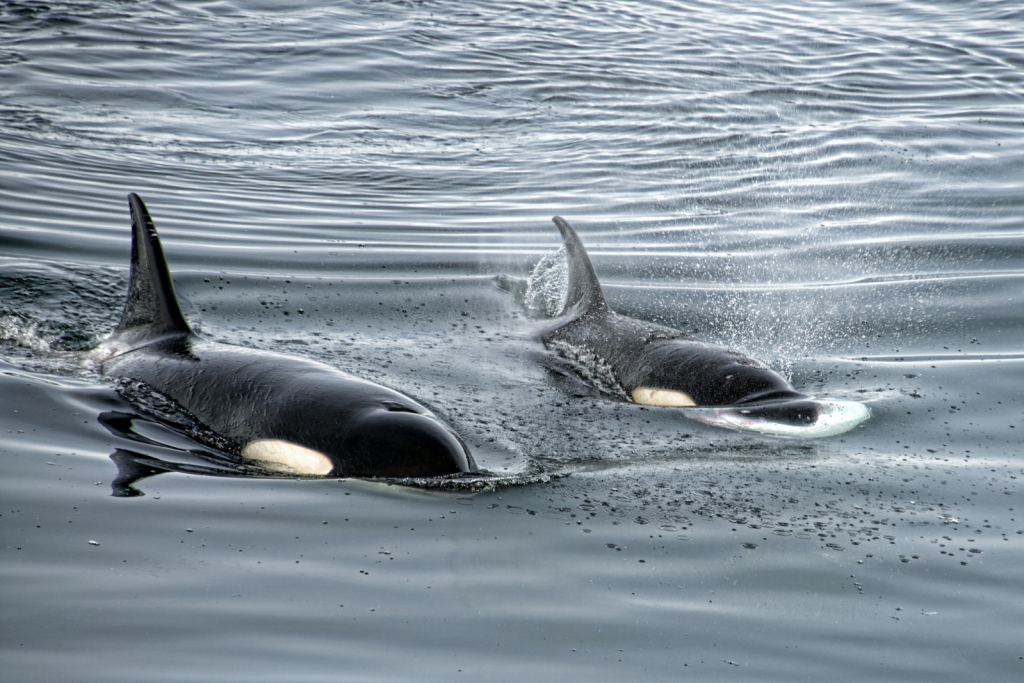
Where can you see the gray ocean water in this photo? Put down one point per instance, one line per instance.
(835, 188)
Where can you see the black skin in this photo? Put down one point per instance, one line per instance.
(641, 354)
(646, 355)
(364, 429)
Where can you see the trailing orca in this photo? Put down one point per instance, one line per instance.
(287, 414)
(656, 365)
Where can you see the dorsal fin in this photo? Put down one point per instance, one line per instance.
(584, 289)
(151, 309)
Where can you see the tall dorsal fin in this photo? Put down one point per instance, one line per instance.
(584, 289)
(151, 309)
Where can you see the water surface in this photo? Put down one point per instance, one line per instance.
(835, 190)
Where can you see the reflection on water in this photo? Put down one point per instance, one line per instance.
(833, 189)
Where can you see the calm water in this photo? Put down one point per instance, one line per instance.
(837, 191)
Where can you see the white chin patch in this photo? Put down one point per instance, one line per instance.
(661, 397)
(283, 456)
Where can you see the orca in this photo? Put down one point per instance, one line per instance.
(286, 414)
(660, 366)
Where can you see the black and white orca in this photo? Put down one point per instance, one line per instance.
(657, 365)
(285, 413)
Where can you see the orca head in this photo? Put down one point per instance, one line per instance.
(684, 373)
(399, 442)
(389, 440)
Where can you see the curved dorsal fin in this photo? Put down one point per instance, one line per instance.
(151, 309)
(584, 289)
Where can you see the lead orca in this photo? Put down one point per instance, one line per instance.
(656, 365)
(288, 414)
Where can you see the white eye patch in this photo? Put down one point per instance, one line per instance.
(286, 457)
(661, 397)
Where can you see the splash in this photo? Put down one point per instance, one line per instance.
(548, 285)
(788, 419)
(470, 482)
(25, 334)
